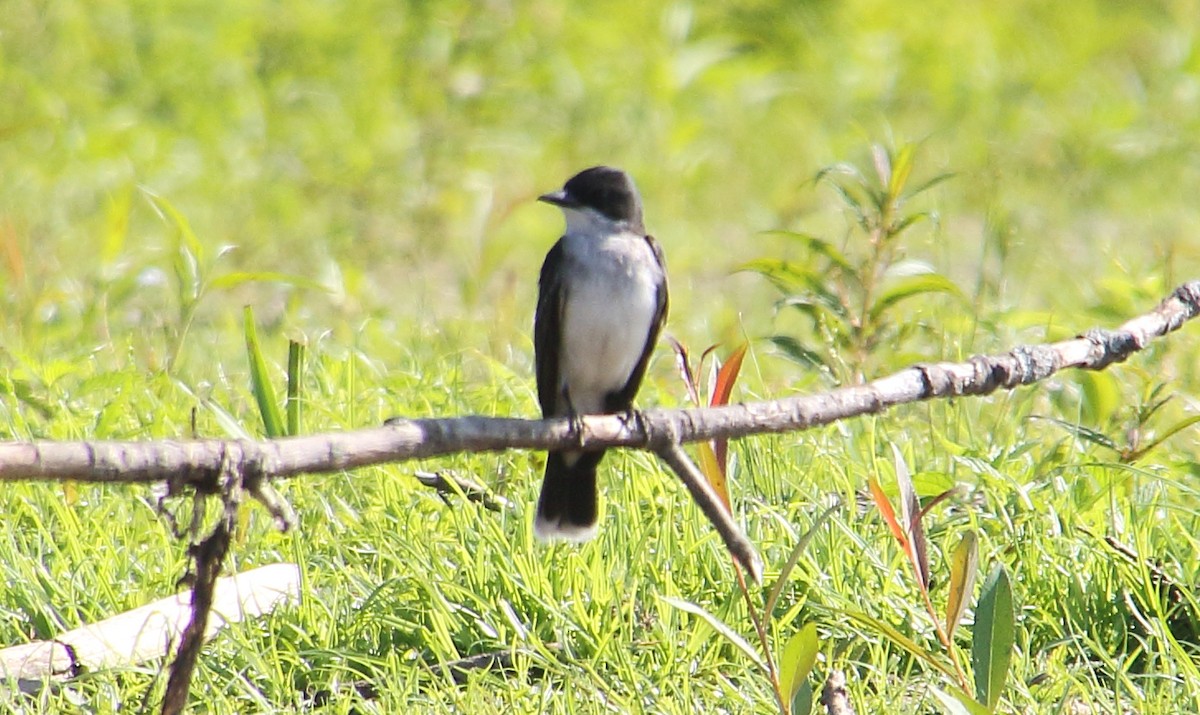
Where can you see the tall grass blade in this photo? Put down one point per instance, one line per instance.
(260, 380)
(720, 627)
(295, 378)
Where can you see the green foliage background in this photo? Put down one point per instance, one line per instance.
(380, 160)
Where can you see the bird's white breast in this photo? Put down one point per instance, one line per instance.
(610, 303)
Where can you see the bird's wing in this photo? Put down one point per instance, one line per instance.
(623, 399)
(547, 330)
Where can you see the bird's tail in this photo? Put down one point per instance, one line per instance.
(567, 507)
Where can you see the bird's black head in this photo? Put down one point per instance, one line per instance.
(608, 191)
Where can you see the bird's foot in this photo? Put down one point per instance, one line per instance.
(576, 428)
(633, 420)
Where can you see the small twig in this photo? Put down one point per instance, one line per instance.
(209, 555)
(834, 696)
(708, 501)
(446, 484)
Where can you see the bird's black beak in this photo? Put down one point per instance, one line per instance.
(558, 198)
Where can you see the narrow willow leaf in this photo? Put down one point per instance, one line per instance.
(233, 428)
(792, 348)
(802, 701)
(886, 511)
(260, 380)
(901, 641)
(684, 364)
(295, 378)
(992, 641)
(794, 558)
(727, 376)
(167, 211)
(719, 626)
(714, 472)
(913, 286)
(883, 164)
(787, 276)
(797, 660)
(820, 246)
(902, 167)
(910, 510)
(956, 702)
(964, 563)
(819, 308)
(1171, 432)
(1081, 432)
(931, 183)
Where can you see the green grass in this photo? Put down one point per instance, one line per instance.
(383, 161)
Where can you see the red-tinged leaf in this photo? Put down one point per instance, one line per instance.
(883, 164)
(952, 491)
(910, 510)
(685, 370)
(722, 389)
(714, 471)
(886, 511)
(727, 376)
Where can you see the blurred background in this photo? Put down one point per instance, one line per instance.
(385, 156)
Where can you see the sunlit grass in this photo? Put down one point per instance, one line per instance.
(380, 162)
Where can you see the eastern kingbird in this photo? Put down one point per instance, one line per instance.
(602, 300)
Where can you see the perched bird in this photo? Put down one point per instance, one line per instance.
(602, 300)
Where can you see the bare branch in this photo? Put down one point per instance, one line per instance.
(708, 501)
(197, 463)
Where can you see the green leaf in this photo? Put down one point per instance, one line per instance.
(819, 246)
(295, 379)
(1101, 396)
(802, 701)
(821, 308)
(260, 380)
(964, 564)
(1171, 432)
(794, 557)
(912, 286)
(719, 626)
(900, 640)
(1081, 432)
(902, 166)
(797, 660)
(787, 276)
(792, 348)
(992, 642)
(956, 702)
(167, 211)
(930, 184)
